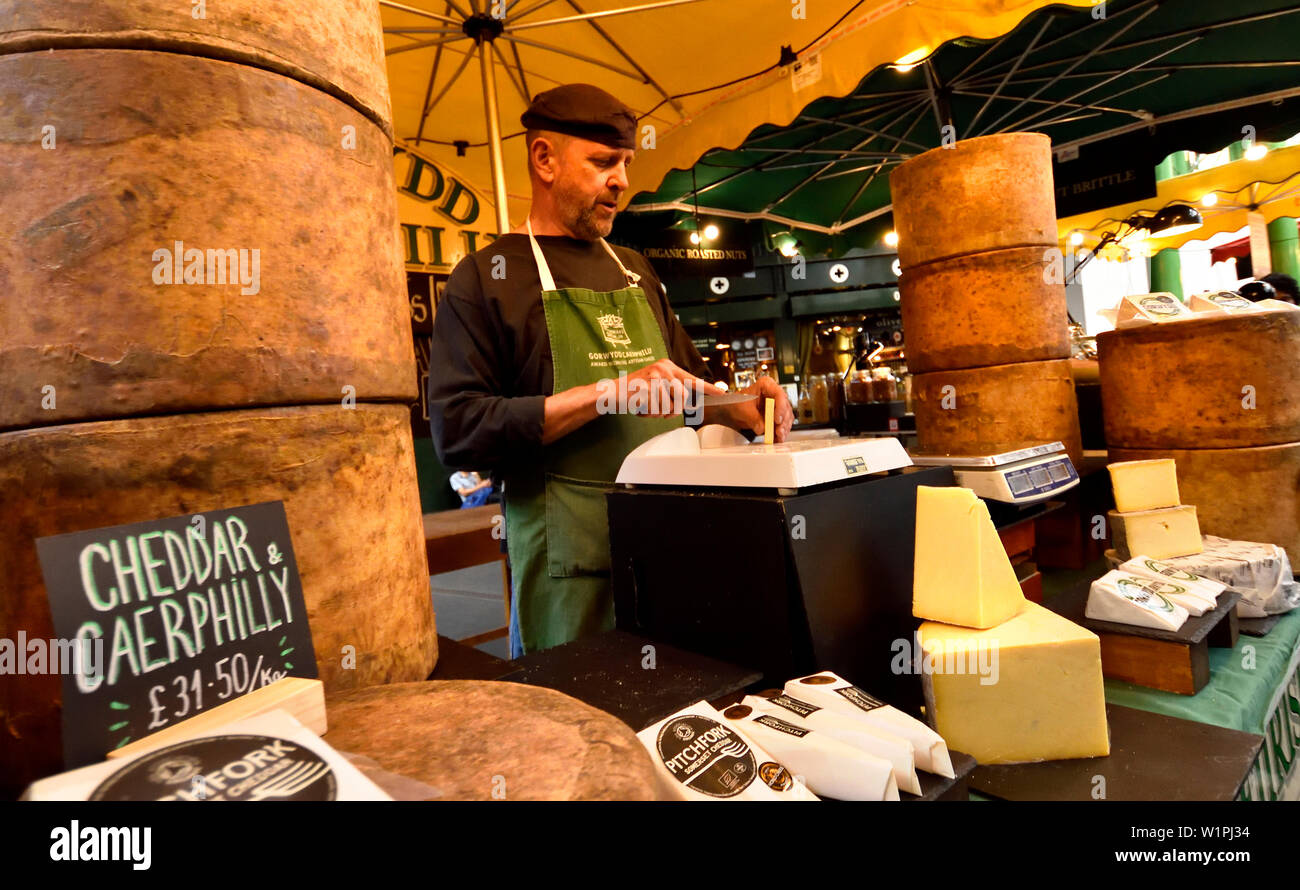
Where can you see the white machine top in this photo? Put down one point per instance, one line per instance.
(718, 456)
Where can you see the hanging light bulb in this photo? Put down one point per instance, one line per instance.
(710, 232)
(1256, 151)
(891, 239)
(1209, 199)
(1076, 238)
(695, 238)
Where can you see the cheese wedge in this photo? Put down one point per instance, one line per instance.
(863, 736)
(1132, 599)
(828, 766)
(833, 692)
(1045, 701)
(1144, 484)
(1159, 534)
(1221, 303)
(1204, 591)
(961, 572)
(1151, 308)
(699, 756)
(1275, 305)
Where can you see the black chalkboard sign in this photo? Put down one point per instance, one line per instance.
(167, 618)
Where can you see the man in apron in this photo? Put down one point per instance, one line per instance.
(530, 337)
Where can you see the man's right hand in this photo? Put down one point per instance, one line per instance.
(661, 389)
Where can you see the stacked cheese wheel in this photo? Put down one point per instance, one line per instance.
(982, 298)
(202, 306)
(1216, 394)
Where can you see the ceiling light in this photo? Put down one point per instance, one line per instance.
(910, 61)
(1209, 199)
(1076, 238)
(710, 232)
(891, 239)
(1256, 151)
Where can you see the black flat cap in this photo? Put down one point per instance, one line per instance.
(580, 109)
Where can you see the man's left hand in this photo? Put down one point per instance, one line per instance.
(749, 415)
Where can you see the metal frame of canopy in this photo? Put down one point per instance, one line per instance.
(484, 27)
(889, 119)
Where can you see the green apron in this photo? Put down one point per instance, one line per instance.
(557, 528)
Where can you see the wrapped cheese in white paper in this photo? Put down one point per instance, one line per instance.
(1260, 572)
(829, 767)
(858, 733)
(1201, 594)
(1137, 600)
(699, 755)
(833, 692)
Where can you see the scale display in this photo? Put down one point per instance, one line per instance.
(1024, 476)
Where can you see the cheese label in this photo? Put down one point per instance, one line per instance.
(1161, 304)
(1230, 301)
(794, 705)
(860, 698)
(781, 726)
(1171, 572)
(775, 776)
(707, 756)
(1150, 595)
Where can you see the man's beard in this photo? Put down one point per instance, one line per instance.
(589, 226)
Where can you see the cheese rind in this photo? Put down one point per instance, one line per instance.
(961, 573)
(1144, 484)
(1136, 600)
(1045, 700)
(1159, 534)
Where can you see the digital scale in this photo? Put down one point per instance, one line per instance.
(1025, 476)
(718, 456)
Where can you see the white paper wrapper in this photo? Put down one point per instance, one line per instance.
(699, 755)
(833, 692)
(1202, 593)
(1137, 600)
(858, 733)
(1260, 573)
(829, 767)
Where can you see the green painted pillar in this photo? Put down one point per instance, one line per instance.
(1237, 150)
(1175, 164)
(1284, 246)
(1167, 273)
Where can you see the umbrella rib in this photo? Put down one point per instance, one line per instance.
(405, 31)
(469, 56)
(588, 16)
(1020, 58)
(523, 77)
(1072, 33)
(931, 82)
(874, 173)
(823, 120)
(632, 75)
(424, 44)
(459, 10)
(402, 7)
(876, 111)
(1129, 70)
(1096, 49)
(677, 106)
(510, 73)
(428, 92)
(531, 9)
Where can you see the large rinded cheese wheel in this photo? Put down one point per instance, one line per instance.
(1245, 494)
(986, 193)
(151, 149)
(1000, 408)
(334, 45)
(1210, 382)
(472, 740)
(991, 308)
(347, 480)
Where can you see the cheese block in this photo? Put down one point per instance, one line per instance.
(274, 277)
(829, 767)
(1003, 181)
(980, 411)
(1242, 494)
(1202, 592)
(1172, 531)
(1272, 305)
(1210, 382)
(863, 736)
(1047, 701)
(1142, 308)
(700, 755)
(1260, 573)
(1221, 303)
(990, 308)
(335, 46)
(1132, 599)
(833, 692)
(1144, 484)
(961, 573)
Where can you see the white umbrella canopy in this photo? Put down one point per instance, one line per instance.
(701, 73)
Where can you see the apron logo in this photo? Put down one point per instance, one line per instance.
(611, 326)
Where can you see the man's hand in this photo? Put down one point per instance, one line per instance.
(661, 389)
(749, 415)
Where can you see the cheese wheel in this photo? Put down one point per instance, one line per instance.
(1244, 494)
(990, 308)
(246, 168)
(474, 740)
(333, 45)
(978, 194)
(1214, 381)
(347, 480)
(996, 409)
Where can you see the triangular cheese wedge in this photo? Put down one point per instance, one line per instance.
(1220, 303)
(961, 573)
(1151, 307)
(1131, 599)
(1272, 305)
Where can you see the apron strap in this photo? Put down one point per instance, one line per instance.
(544, 270)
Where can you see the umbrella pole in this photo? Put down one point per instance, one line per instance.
(494, 140)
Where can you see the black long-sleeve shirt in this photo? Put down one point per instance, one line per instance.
(490, 367)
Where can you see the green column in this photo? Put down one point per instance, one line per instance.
(1175, 164)
(1284, 246)
(1166, 273)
